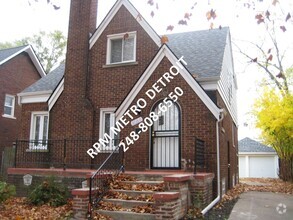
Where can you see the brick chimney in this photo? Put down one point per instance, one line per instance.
(72, 115)
(82, 22)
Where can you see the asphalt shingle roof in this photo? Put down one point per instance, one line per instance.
(49, 82)
(202, 50)
(5, 53)
(249, 145)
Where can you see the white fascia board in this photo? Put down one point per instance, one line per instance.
(257, 153)
(35, 61)
(34, 97)
(53, 99)
(214, 79)
(165, 52)
(135, 14)
(33, 57)
(209, 85)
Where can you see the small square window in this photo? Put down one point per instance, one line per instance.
(9, 105)
(121, 48)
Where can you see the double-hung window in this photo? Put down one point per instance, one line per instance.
(107, 121)
(9, 105)
(39, 130)
(121, 48)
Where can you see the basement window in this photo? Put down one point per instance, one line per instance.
(39, 131)
(121, 48)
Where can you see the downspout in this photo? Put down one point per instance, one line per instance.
(217, 199)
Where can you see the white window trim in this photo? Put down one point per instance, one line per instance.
(119, 36)
(103, 111)
(32, 146)
(13, 107)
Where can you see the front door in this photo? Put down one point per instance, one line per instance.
(165, 137)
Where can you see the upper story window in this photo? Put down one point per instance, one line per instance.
(121, 48)
(9, 105)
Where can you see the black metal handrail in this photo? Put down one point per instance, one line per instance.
(199, 154)
(99, 182)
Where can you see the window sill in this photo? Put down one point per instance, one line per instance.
(120, 64)
(37, 151)
(8, 116)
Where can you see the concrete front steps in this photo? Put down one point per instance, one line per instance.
(129, 204)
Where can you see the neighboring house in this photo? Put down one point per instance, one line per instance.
(19, 68)
(108, 75)
(257, 160)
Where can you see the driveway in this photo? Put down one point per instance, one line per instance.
(263, 206)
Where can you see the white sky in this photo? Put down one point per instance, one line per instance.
(19, 20)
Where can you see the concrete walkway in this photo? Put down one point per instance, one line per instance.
(263, 206)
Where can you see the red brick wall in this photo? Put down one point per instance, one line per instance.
(109, 86)
(196, 121)
(15, 75)
(225, 128)
(27, 109)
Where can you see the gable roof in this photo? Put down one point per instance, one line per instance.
(202, 50)
(133, 11)
(249, 145)
(8, 54)
(49, 82)
(166, 52)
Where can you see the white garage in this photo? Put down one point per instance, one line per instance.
(257, 160)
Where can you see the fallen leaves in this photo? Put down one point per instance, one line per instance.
(123, 196)
(256, 184)
(19, 209)
(114, 207)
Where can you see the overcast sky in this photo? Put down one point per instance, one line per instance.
(19, 20)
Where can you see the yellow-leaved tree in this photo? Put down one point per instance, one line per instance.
(274, 117)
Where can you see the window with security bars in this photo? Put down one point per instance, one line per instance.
(39, 131)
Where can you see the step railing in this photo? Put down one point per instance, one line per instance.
(99, 182)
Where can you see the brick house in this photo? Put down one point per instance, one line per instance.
(106, 80)
(19, 68)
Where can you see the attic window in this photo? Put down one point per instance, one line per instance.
(121, 48)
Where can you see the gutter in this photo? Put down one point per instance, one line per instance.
(217, 199)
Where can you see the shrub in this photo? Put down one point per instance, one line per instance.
(6, 191)
(49, 192)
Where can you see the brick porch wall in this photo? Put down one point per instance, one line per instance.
(72, 180)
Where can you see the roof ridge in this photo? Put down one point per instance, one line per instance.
(197, 31)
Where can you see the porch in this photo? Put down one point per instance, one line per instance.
(72, 154)
(62, 159)
(181, 189)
